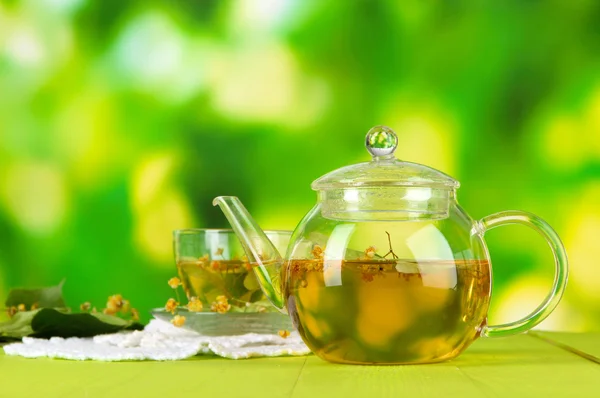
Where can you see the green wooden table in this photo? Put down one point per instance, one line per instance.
(533, 365)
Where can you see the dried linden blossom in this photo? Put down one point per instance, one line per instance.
(178, 320)
(318, 251)
(219, 251)
(21, 308)
(85, 306)
(284, 333)
(370, 251)
(115, 304)
(221, 305)
(194, 305)
(174, 282)
(171, 305)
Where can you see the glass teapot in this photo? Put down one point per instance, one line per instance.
(387, 268)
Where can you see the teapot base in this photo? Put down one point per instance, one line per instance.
(346, 359)
(394, 363)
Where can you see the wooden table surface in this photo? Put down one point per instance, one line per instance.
(538, 364)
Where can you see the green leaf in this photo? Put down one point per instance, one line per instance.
(256, 296)
(18, 326)
(51, 323)
(49, 297)
(111, 320)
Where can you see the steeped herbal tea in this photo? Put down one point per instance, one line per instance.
(390, 311)
(215, 272)
(207, 280)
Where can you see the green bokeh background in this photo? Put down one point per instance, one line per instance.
(121, 120)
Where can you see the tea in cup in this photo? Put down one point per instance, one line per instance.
(214, 270)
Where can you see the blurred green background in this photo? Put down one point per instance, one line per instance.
(121, 120)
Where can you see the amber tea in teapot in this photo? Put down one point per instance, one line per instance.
(438, 306)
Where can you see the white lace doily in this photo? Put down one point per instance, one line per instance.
(159, 341)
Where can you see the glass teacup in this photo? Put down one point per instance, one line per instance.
(214, 270)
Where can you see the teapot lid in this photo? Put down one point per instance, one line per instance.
(384, 170)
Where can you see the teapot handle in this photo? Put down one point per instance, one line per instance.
(560, 269)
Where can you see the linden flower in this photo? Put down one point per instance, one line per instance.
(35, 306)
(178, 320)
(221, 305)
(135, 315)
(21, 307)
(12, 311)
(194, 305)
(114, 303)
(174, 282)
(318, 251)
(284, 333)
(220, 308)
(215, 265)
(171, 305)
(85, 306)
(370, 251)
(219, 252)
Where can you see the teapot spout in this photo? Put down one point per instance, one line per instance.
(263, 256)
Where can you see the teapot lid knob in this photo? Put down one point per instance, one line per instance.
(381, 142)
